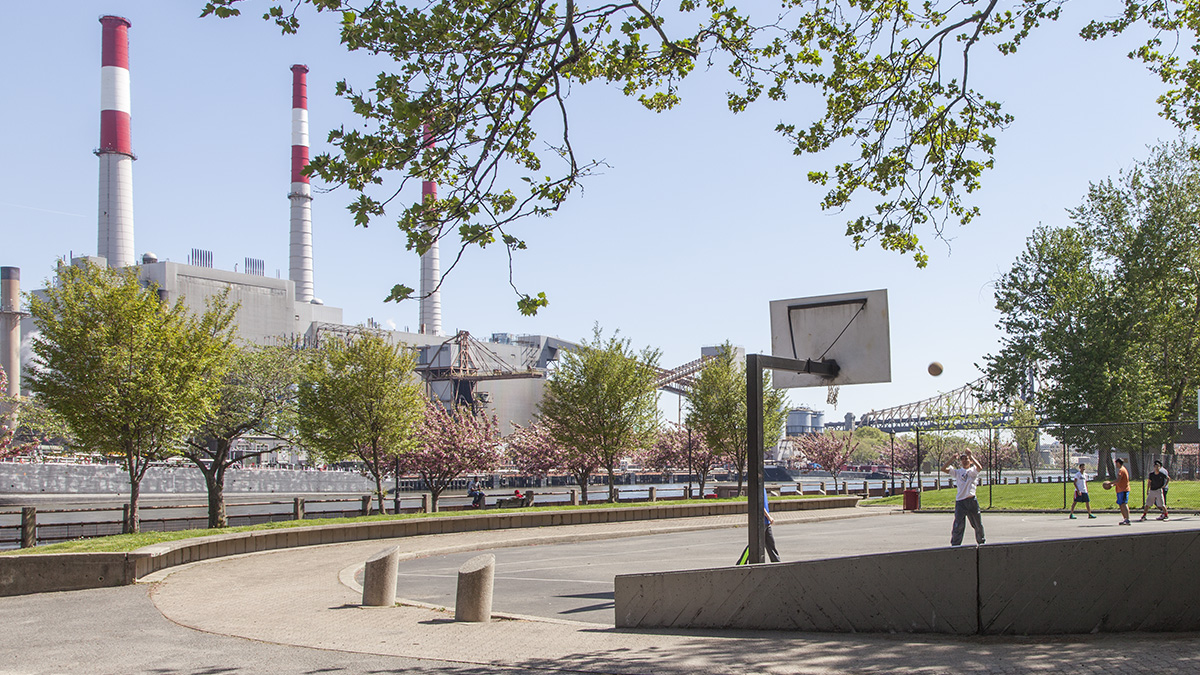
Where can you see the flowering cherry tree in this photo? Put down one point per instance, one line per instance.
(908, 460)
(450, 444)
(680, 446)
(831, 451)
(534, 451)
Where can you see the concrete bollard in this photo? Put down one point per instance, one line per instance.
(366, 505)
(425, 504)
(574, 497)
(473, 601)
(298, 508)
(653, 493)
(379, 578)
(28, 526)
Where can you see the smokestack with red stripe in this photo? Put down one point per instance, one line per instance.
(115, 240)
(300, 267)
(431, 300)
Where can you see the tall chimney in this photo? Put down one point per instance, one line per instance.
(431, 300)
(10, 329)
(300, 267)
(115, 240)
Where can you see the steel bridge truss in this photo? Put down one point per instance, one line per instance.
(971, 406)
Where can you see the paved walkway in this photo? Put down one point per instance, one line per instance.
(295, 611)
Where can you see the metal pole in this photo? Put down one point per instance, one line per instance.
(1066, 460)
(1142, 426)
(920, 460)
(893, 467)
(754, 460)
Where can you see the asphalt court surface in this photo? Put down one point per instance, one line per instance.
(574, 581)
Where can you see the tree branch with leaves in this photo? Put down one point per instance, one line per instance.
(906, 132)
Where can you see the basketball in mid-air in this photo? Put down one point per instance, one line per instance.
(1107, 484)
(935, 369)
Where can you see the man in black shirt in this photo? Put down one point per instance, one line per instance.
(1155, 495)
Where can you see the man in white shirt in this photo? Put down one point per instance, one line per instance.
(1081, 492)
(965, 505)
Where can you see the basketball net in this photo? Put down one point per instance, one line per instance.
(832, 395)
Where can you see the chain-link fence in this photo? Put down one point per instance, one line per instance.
(1034, 468)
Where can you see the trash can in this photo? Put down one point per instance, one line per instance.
(912, 500)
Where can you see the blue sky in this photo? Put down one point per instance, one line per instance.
(702, 218)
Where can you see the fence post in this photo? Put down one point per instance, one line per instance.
(298, 508)
(28, 526)
(366, 505)
(574, 497)
(823, 487)
(653, 493)
(425, 503)
(687, 491)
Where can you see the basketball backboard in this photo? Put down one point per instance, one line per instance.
(851, 328)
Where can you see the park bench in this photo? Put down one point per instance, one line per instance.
(514, 503)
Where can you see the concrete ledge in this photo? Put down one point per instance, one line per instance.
(39, 573)
(1126, 582)
(21, 575)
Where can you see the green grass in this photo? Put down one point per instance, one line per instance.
(123, 543)
(1048, 497)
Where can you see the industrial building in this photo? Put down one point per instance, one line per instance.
(504, 376)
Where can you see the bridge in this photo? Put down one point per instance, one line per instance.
(971, 406)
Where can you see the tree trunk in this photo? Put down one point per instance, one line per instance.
(434, 493)
(582, 478)
(379, 491)
(214, 480)
(612, 489)
(1106, 466)
(133, 525)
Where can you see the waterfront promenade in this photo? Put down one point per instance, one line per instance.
(296, 610)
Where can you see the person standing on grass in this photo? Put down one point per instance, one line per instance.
(1081, 493)
(966, 506)
(1122, 488)
(1156, 496)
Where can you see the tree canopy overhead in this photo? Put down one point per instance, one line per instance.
(477, 99)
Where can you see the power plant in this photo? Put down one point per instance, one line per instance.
(504, 375)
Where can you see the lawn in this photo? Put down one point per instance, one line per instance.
(1183, 495)
(123, 543)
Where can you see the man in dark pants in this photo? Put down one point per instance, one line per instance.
(965, 505)
(772, 552)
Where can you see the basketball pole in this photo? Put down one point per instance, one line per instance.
(755, 364)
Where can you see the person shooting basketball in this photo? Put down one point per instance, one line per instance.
(966, 506)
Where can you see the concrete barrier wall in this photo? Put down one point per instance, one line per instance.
(112, 479)
(1143, 582)
(913, 592)
(74, 571)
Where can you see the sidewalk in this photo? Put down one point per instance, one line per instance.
(294, 597)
